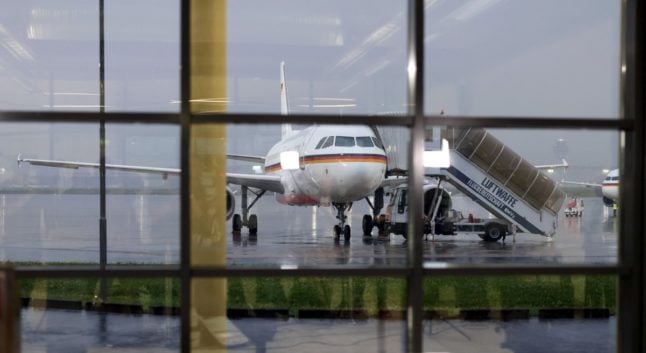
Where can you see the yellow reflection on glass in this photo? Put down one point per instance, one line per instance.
(208, 174)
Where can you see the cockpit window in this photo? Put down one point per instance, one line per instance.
(344, 141)
(377, 143)
(329, 142)
(318, 145)
(364, 141)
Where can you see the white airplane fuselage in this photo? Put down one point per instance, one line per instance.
(342, 172)
(610, 185)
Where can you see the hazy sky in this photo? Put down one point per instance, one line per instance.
(483, 57)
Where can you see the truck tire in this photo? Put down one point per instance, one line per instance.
(494, 232)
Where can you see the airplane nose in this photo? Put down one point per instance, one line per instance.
(357, 180)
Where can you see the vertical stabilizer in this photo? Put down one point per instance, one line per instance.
(286, 129)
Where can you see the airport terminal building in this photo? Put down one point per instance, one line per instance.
(322, 176)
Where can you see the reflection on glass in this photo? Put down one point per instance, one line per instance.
(48, 215)
(341, 314)
(336, 62)
(499, 314)
(142, 55)
(48, 55)
(143, 218)
(500, 58)
(63, 315)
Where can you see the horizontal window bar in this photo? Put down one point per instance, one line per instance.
(509, 270)
(95, 271)
(261, 118)
(89, 117)
(434, 270)
(404, 120)
(530, 122)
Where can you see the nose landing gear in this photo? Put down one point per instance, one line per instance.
(341, 227)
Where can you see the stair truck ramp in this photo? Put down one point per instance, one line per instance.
(502, 182)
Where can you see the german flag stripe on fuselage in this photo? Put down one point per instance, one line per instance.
(335, 158)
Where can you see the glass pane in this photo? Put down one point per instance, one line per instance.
(340, 57)
(143, 213)
(544, 189)
(48, 55)
(296, 220)
(47, 214)
(520, 314)
(68, 315)
(536, 58)
(50, 204)
(307, 314)
(142, 55)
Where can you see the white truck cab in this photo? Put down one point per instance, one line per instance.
(439, 217)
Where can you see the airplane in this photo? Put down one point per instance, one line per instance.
(608, 188)
(319, 165)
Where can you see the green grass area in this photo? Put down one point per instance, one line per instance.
(367, 294)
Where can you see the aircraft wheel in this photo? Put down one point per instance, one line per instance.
(494, 232)
(337, 231)
(367, 225)
(253, 224)
(346, 232)
(236, 223)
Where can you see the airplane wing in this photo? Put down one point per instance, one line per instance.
(245, 158)
(580, 189)
(563, 164)
(259, 181)
(76, 165)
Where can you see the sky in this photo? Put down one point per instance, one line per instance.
(544, 58)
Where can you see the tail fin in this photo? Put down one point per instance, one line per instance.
(284, 107)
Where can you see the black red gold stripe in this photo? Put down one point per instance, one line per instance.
(335, 158)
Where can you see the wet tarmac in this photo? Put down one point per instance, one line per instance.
(304, 238)
(145, 229)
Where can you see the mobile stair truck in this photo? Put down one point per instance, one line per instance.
(520, 196)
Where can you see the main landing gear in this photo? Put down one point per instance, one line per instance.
(341, 227)
(249, 221)
(368, 222)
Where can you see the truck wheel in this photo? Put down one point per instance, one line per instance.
(493, 232)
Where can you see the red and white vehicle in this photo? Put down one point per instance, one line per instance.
(574, 208)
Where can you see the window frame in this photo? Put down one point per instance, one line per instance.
(629, 270)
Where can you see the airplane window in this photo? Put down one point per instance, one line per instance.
(344, 141)
(320, 143)
(329, 142)
(364, 141)
(377, 143)
(615, 178)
